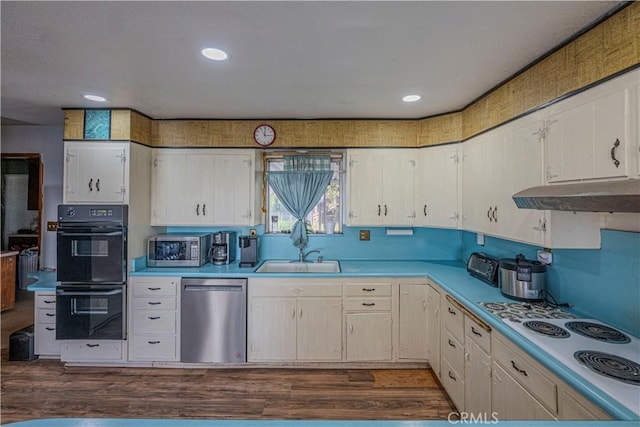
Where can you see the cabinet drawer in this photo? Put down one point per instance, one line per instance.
(453, 320)
(453, 383)
(150, 303)
(297, 289)
(477, 333)
(46, 301)
(46, 315)
(367, 289)
(91, 350)
(523, 370)
(45, 339)
(159, 287)
(153, 347)
(453, 351)
(154, 322)
(368, 304)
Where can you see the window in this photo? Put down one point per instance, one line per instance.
(326, 214)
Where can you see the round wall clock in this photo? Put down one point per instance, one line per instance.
(264, 135)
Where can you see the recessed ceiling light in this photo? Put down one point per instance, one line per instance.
(95, 98)
(215, 54)
(411, 98)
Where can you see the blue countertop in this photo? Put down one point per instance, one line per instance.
(450, 275)
(128, 422)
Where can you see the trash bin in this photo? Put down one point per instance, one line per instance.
(27, 264)
(21, 345)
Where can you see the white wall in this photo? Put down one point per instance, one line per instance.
(47, 141)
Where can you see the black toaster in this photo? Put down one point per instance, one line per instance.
(484, 267)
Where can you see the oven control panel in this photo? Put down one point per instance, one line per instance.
(111, 214)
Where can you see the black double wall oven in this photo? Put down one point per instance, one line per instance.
(92, 271)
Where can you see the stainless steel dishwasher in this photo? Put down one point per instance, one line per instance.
(213, 320)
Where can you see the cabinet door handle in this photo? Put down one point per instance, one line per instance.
(50, 329)
(522, 371)
(452, 377)
(92, 345)
(154, 303)
(473, 330)
(368, 289)
(495, 214)
(378, 210)
(293, 312)
(49, 301)
(198, 209)
(451, 311)
(385, 210)
(204, 207)
(452, 344)
(351, 327)
(154, 289)
(153, 342)
(91, 184)
(489, 214)
(98, 184)
(50, 314)
(300, 315)
(153, 317)
(613, 153)
(425, 210)
(368, 304)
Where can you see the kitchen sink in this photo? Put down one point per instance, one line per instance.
(299, 267)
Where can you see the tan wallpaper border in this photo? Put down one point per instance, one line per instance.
(603, 51)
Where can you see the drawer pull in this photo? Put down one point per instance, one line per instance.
(368, 289)
(451, 311)
(452, 377)
(475, 332)
(153, 342)
(50, 314)
(154, 289)
(368, 304)
(154, 303)
(92, 345)
(452, 344)
(522, 371)
(49, 301)
(153, 317)
(50, 329)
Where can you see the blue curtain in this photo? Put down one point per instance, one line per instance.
(299, 187)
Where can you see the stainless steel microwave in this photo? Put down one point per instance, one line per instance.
(178, 250)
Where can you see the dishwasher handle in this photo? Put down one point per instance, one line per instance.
(214, 288)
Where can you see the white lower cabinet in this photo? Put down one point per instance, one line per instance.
(433, 328)
(477, 379)
(289, 320)
(369, 336)
(413, 321)
(511, 401)
(154, 319)
(45, 344)
(92, 350)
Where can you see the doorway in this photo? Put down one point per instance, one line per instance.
(21, 202)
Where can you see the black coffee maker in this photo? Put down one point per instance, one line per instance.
(248, 251)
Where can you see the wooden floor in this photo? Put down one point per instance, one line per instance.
(45, 389)
(14, 319)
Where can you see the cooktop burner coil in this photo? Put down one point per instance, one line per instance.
(546, 329)
(598, 332)
(610, 365)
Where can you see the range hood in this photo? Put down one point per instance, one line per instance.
(605, 196)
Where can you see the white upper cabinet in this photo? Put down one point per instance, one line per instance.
(594, 135)
(381, 187)
(203, 187)
(96, 172)
(437, 183)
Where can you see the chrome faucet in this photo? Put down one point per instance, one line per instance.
(302, 257)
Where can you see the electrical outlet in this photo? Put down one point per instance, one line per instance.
(253, 232)
(545, 256)
(52, 226)
(365, 235)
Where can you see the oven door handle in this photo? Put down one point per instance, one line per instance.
(97, 233)
(62, 292)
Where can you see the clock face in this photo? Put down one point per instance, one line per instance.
(264, 135)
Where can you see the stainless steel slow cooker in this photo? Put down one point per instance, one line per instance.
(522, 279)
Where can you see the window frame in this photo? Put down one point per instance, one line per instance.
(337, 157)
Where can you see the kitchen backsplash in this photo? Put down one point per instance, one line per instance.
(602, 283)
(426, 243)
